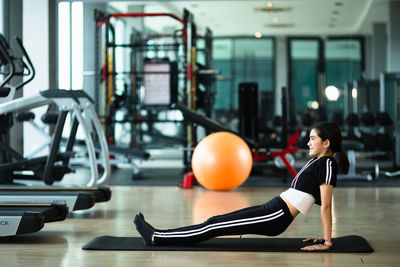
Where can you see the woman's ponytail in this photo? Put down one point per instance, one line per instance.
(343, 162)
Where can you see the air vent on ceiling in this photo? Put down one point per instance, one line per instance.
(273, 9)
(279, 25)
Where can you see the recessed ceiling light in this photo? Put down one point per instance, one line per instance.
(275, 20)
(269, 4)
(258, 34)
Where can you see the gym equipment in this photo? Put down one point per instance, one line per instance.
(367, 96)
(135, 80)
(344, 244)
(248, 110)
(76, 198)
(350, 147)
(389, 87)
(261, 150)
(52, 168)
(23, 218)
(222, 161)
(50, 212)
(368, 131)
(11, 63)
(159, 62)
(384, 137)
(76, 103)
(350, 144)
(159, 83)
(44, 168)
(20, 222)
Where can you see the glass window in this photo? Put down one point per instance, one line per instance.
(303, 56)
(343, 64)
(222, 61)
(309, 78)
(242, 60)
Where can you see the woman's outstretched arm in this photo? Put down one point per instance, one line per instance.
(326, 219)
(326, 211)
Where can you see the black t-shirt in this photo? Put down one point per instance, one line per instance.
(317, 171)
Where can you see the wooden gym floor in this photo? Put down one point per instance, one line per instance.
(373, 213)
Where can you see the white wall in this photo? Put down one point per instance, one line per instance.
(36, 41)
(1, 16)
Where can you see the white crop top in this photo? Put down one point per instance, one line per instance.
(302, 201)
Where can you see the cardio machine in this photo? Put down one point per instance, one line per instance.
(22, 207)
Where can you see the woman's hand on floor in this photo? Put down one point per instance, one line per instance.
(315, 247)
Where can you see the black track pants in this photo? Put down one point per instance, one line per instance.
(270, 219)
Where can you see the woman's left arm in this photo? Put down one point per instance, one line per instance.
(326, 219)
(326, 211)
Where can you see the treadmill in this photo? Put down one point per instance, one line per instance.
(50, 212)
(44, 168)
(23, 218)
(20, 222)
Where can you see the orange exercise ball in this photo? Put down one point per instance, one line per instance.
(222, 161)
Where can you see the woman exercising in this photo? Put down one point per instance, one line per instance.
(313, 184)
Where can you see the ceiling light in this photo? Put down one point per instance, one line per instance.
(354, 93)
(332, 93)
(258, 34)
(313, 104)
(269, 4)
(275, 20)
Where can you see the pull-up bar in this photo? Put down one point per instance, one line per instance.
(138, 15)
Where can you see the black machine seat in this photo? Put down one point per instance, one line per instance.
(352, 145)
(268, 142)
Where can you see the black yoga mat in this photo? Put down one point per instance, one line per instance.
(345, 244)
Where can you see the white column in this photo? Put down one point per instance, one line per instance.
(35, 30)
(281, 70)
(1, 16)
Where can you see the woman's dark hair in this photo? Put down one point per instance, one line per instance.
(330, 131)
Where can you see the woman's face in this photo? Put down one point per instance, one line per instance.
(317, 147)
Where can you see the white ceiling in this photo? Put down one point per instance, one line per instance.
(303, 17)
